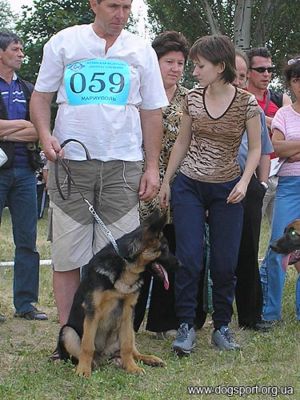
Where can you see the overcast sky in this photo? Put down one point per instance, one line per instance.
(16, 4)
(138, 9)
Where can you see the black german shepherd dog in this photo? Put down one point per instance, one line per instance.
(100, 325)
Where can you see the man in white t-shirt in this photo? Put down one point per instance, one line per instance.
(109, 94)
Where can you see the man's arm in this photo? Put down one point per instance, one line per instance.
(263, 168)
(17, 130)
(151, 121)
(285, 102)
(40, 112)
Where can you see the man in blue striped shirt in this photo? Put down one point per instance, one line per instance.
(17, 177)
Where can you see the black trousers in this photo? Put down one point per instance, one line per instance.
(248, 292)
(161, 313)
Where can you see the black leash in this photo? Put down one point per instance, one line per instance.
(70, 180)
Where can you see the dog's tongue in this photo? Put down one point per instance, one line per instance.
(166, 279)
(162, 273)
(285, 261)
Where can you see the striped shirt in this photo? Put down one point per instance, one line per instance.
(15, 104)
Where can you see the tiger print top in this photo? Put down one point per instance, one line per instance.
(212, 155)
(172, 115)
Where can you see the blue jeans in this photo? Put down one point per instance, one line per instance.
(18, 192)
(286, 209)
(190, 200)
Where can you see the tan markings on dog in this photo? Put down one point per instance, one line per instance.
(104, 303)
(127, 337)
(72, 341)
(295, 224)
(129, 280)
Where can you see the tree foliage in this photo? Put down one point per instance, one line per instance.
(250, 23)
(37, 24)
(7, 17)
(272, 23)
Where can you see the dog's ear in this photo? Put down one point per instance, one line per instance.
(130, 245)
(134, 248)
(155, 223)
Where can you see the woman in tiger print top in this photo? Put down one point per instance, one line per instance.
(215, 116)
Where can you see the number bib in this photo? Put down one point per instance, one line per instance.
(97, 81)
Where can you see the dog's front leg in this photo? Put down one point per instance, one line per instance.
(127, 339)
(87, 348)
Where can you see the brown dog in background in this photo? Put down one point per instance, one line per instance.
(100, 325)
(289, 244)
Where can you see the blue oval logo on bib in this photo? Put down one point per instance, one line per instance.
(97, 81)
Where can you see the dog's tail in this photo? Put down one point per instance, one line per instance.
(68, 344)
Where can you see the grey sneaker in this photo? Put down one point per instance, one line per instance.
(185, 340)
(2, 318)
(223, 339)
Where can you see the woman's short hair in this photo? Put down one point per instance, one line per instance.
(217, 49)
(171, 41)
(292, 68)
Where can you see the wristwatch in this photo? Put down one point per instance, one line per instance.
(265, 185)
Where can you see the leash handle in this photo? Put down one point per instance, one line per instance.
(87, 153)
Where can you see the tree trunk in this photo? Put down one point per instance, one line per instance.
(213, 23)
(262, 29)
(242, 24)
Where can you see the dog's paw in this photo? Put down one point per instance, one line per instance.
(83, 370)
(135, 369)
(153, 361)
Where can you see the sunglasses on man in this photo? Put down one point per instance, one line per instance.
(261, 70)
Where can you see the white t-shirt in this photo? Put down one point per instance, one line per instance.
(110, 132)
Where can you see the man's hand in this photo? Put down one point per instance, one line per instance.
(149, 184)
(52, 148)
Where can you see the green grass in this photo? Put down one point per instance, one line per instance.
(270, 359)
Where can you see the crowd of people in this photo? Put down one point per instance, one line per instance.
(136, 139)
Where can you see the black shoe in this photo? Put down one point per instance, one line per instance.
(261, 326)
(32, 315)
(2, 318)
(265, 326)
